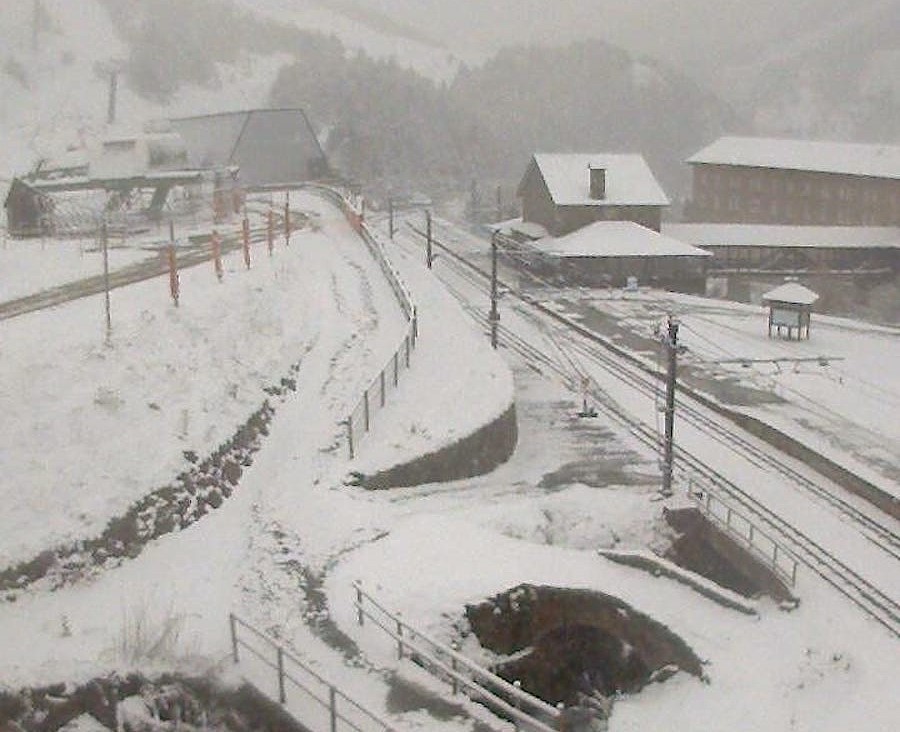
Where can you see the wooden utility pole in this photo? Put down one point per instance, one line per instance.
(494, 314)
(670, 343)
(429, 256)
(104, 241)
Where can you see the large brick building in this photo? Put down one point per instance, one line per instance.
(564, 192)
(795, 182)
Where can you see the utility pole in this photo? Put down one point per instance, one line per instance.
(104, 242)
(429, 257)
(494, 315)
(670, 343)
(391, 217)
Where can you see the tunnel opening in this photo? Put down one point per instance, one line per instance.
(576, 647)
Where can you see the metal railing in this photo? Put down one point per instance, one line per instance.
(374, 397)
(780, 560)
(330, 708)
(526, 711)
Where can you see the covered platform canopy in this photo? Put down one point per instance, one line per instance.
(790, 307)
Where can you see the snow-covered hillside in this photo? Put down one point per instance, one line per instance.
(56, 92)
(431, 60)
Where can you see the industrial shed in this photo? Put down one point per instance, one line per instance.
(782, 249)
(270, 147)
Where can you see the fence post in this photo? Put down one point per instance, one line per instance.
(728, 518)
(381, 379)
(415, 325)
(396, 371)
(366, 408)
(774, 556)
(406, 345)
(350, 436)
(399, 637)
(750, 536)
(232, 621)
(359, 604)
(282, 697)
(332, 707)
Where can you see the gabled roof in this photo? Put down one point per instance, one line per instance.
(629, 181)
(791, 292)
(617, 239)
(769, 235)
(271, 146)
(879, 161)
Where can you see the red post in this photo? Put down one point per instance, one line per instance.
(270, 231)
(173, 274)
(216, 244)
(245, 233)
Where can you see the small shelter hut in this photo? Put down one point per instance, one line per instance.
(790, 306)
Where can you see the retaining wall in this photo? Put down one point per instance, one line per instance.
(479, 453)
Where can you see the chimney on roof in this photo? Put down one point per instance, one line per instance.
(598, 182)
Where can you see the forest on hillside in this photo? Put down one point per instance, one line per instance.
(391, 128)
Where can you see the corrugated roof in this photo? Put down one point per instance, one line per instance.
(792, 292)
(880, 161)
(629, 181)
(617, 239)
(762, 235)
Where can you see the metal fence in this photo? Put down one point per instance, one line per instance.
(375, 396)
(324, 706)
(524, 710)
(763, 545)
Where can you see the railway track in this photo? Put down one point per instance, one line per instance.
(138, 272)
(811, 554)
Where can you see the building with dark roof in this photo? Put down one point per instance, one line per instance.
(270, 147)
(564, 192)
(795, 182)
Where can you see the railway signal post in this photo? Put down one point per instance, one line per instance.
(670, 343)
(494, 314)
(429, 256)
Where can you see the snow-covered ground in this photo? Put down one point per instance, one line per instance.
(293, 525)
(839, 405)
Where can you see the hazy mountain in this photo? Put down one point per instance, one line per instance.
(817, 68)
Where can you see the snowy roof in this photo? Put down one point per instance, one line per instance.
(528, 229)
(792, 292)
(762, 235)
(880, 161)
(629, 181)
(617, 239)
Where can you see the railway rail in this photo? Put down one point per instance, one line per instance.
(810, 553)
